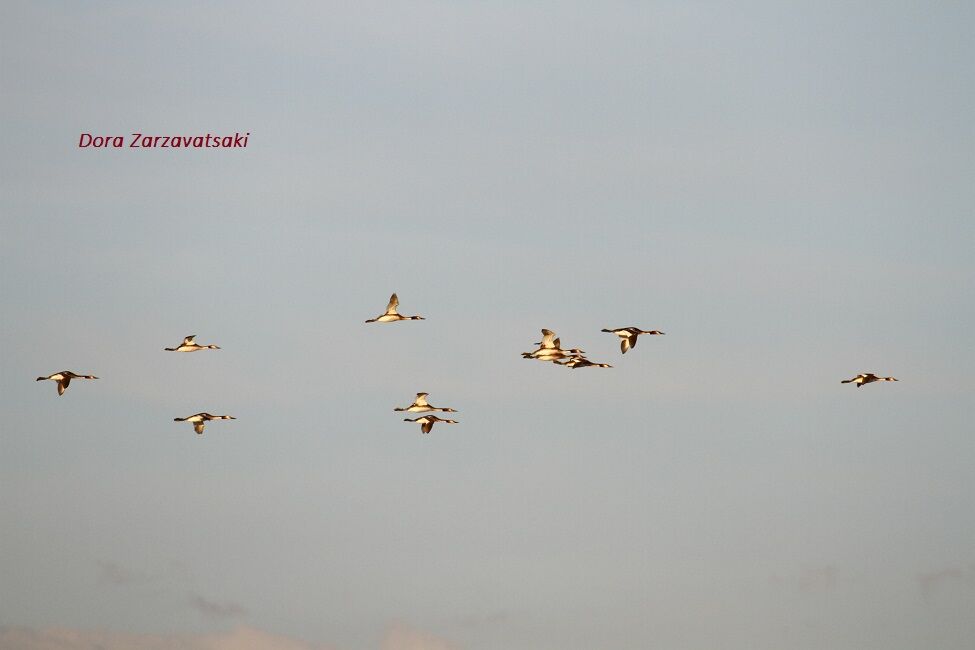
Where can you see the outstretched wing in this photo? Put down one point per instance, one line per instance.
(421, 399)
(626, 343)
(188, 340)
(426, 427)
(393, 304)
(198, 427)
(548, 339)
(63, 385)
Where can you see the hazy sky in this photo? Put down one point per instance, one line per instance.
(784, 188)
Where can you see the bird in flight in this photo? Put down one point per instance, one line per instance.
(628, 336)
(427, 422)
(581, 362)
(64, 378)
(200, 419)
(391, 314)
(420, 405)
(189, 344)
(866, 378)
(550, 349)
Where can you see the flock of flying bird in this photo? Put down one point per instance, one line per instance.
(549, 349)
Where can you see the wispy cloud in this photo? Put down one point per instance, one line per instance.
(817, 579)
(930, 583)
(482, 620)
(116, 574)
(810, 580)
(242, 638)
(400, 636)
(212, 609)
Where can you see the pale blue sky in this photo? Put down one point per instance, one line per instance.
(783, 188)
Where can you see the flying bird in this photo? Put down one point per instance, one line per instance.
(420, 405)
(628, 336)
(550, 349)
(391, 314)
(64, 378)
(189, 345)
(427, 422)
(866, 378)
(548, 341)
(200, 419)
(552, 355)
(581, 362)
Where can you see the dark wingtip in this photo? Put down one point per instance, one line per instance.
(41, 378)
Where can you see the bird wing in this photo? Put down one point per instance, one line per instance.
(548, 339)
(421, 400)
(426, 426)
(63, 385)
(198, 427)
(188, 340)
(393, 304)
(625, 344)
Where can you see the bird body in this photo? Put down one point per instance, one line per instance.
(866, 378)
(427, 422)
(64, 378)
(581, 362)
(420, 405)
(199, 420)
(550, 349)
(628, 336)
(391, 315)
(190, 345)
(549, 354)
